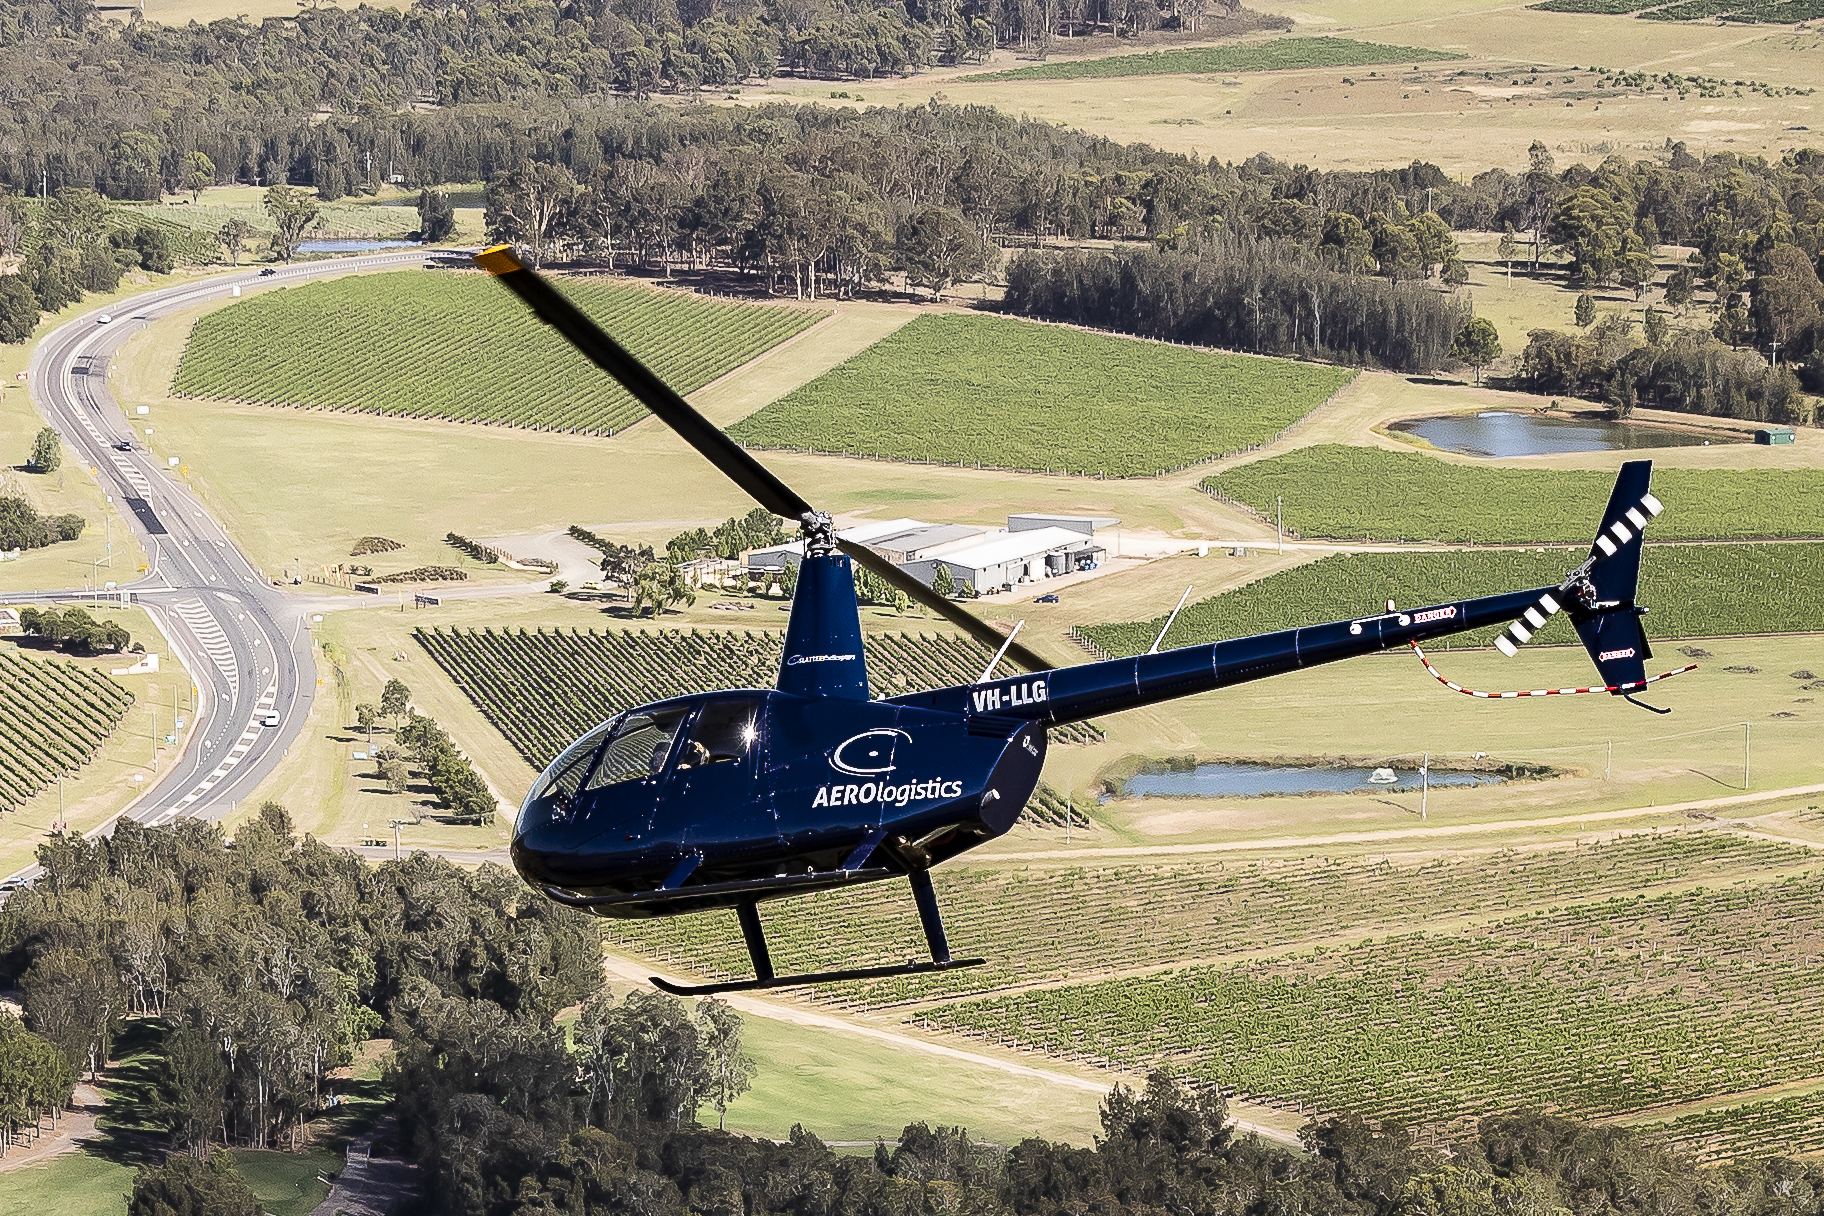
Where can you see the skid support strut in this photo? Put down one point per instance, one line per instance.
(926, 898)
(748, 912)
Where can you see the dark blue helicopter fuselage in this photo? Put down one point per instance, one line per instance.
(727, 797)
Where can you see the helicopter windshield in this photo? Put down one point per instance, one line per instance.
(638, 748)
(565, 776)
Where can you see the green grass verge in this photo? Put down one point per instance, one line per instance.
(1693, 590)
(433, 344)
(78, 1184)
(1270, 56)
(287, 1183)
(845, 1087)
(1353, 493)
(1015, 394)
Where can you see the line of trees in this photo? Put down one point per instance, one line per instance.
(22, 527)
(1248, 293)
(36, 1080)
(74, 629)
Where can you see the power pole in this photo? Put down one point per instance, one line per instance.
(1424, 785)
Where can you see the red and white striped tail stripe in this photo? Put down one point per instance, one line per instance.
(1544, 692)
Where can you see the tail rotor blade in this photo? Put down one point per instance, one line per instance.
(553, 309)
(951, 611)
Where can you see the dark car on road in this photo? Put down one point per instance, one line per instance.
(1047, 599)
(123, 446)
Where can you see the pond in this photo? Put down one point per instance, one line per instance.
(1256, 780)
(1503, 433)
(353, 245)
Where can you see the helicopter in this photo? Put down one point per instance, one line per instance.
(732, 798)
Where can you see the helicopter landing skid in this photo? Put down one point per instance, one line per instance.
(815, 977)
(748, 911)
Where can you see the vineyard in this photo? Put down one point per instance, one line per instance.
(1046, 924)
(1693, 590)
(1591, 1009)
(998, 393)
(457, 347)
(1355, 493)
(1275, 55)
(53, 718)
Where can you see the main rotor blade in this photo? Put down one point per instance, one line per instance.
(950, 610)
(502, 261)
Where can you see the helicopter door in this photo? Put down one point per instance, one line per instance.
(713, 793)
(623, 786)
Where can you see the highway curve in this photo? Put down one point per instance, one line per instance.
(243, 640)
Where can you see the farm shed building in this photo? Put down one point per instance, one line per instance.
(1088, 525)
(1010, 558)
(775, 558)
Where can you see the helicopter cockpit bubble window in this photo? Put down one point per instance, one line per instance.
(564, 778)
(726, 732)
(639, 748)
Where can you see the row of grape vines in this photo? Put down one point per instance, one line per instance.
(1053, 923)
(457, 347)
(1593, 1008)
(53, 718)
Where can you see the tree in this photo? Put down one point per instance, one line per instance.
(199, 174)
(76, 217)
(938, 247)
(436, 216)
(531, 206)
(1455, 273)
(153, 248)
(397, 776)
(730, 1070)
(1585, 314)
(1655, 327)
(293, 211)
(19, 310)
(944, 583)
(1680, 286)
(394, 698)
(47, 451)
(365, 717)
(185, 1186)
(1506, 249)
(1478, 344)
(190, 1094)
(231, 235)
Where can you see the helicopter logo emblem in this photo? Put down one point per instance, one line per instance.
(866, 754)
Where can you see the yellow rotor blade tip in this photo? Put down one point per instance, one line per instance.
(498, 259)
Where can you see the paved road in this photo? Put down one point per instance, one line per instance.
(243, 640)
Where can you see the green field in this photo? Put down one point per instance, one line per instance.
(1000, 393)
(1589, 1008)
(1357, 493)
(54, 717)
(1602, 978)
(1693, 591)
(1278, 54)
(1055, 922)
(77, 1184)
(458, 347)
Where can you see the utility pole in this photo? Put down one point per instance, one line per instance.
(1776, 354)
(1424, 785)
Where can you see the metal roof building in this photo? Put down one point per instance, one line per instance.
(1011, 558)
